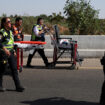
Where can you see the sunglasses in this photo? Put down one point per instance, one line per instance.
(8, 21)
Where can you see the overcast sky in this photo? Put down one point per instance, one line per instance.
(37, 7)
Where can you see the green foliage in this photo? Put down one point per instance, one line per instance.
(29, 21)
(56, 18)
(101, 27)
(81, 17)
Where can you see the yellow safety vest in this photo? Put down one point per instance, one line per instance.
(8, 41)
(33, 34)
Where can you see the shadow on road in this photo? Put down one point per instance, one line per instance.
(11, 90)
(35, 67)
(52, 68)
(57, 101)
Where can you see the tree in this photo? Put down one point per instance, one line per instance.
(81, 17)
(44, 16)
(56, 18)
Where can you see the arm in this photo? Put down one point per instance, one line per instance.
(37, 32)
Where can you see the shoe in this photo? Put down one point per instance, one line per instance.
(20, 89)
(2, 89)
(50, 65)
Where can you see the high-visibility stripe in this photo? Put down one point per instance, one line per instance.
(9, 47)
(10, 41)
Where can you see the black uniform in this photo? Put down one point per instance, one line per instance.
(12, 64)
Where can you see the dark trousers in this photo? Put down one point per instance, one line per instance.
(41, 53)
(13, 67)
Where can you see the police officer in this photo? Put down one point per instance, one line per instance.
(38, 33)
(6, 45)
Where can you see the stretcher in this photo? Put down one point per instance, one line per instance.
(26, 45)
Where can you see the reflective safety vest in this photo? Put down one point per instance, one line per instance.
(8, 40)
(16, 32)
(33, 34)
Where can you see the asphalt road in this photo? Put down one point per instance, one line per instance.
(59, 86)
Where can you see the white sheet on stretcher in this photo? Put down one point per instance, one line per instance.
(29, 46)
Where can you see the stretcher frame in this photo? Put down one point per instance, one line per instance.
(59, 50)
(30, 45)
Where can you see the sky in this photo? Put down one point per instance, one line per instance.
(37, 7)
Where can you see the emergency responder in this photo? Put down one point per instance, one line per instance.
(38, 34)
(6, 45)
(17, 29)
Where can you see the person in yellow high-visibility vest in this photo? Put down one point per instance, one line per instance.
(7, 46)
(38, 33)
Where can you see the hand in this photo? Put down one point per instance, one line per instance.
(45, 28)
(7, 51)
(41, 32)
(15, 54)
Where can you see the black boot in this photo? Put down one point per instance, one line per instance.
(18, 86)
(20, 89)
(50, 65)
